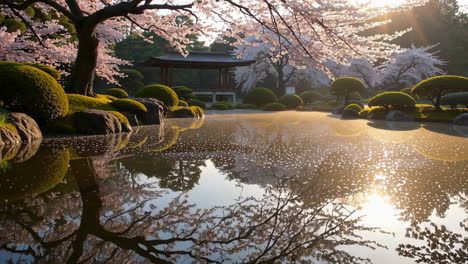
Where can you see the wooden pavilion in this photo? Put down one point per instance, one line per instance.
(220, 61)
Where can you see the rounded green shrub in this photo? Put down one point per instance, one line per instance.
(222, 106)
(32, 91)
(436, 87)
(310, 97)
(406, 90)
(160, 92)
(260, 96)
(356, 102)
(246, 106)
(116, 92)
(274, 107)
(291, 101)
(196, 102)
(129, 105)
(78, 102)
(49, 70)
(122, 119)
(182, 112)
(455, 99)
(346, 86)
(183, 103)
(2, 18)
(392, 99)
(355, 96)
(183, 92)
(353, 107)
(14, 25)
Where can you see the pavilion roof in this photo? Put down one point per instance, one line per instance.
(198, 60)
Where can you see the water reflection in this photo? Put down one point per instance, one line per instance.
(325, 184)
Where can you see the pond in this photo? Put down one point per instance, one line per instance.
(240, 188)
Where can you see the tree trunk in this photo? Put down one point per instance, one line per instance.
(437, 103)
(84, 69)
(280, 84)
(346, 100)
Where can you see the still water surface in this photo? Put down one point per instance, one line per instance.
(241, 188)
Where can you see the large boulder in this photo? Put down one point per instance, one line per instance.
(461, 120)
(396, 115)
(8, 136)
(156, 113)
(132, 118)
(27, 128)
(96, 122)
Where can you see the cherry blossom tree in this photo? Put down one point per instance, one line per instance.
(359, 68)
(409, 67)
(272, 61)
(313, 30)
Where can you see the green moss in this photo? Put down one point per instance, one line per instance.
(178, 111)
(129, 105)
(29, 11)
(196, 102)
(116, 92)
(3, 116)
(107, 97)
(260, 96)
(310, 97)
(32, 91)
(274, 107)
(78, 102)
(183, 103)
(160, 92)
(14, 25)
(291, 101)
(183, 92)
(49, 70)
(2, 18)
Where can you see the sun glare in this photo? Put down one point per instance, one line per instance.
(383, 3)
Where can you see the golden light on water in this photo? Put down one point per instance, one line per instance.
(377, 209)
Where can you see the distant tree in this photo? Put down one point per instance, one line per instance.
(436, 87)
(359, 68)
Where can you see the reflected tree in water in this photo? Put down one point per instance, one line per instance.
(108, 220)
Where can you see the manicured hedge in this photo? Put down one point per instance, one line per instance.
(160, 92)
(116, 92)
(49, 70)
(347, 86)
(310, 97)
(392, 99)
(183, 92)
(32, 91)
(455, 99)
(129, 105)
(274, 107)
(260, 96)
(222, 106)
(196, 102)
(246, 106)
(291, 101)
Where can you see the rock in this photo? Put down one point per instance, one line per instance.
(132, 118)
(349, 114)
(126, 127)
(26, 151)
(183, 113)
(8, 136)
(96, 122)
(27, 128)
(396, 115)
(156, 113)
(461, 120)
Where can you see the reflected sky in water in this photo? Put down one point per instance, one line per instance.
(246, 188)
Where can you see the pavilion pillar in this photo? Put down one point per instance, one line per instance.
(169, 76)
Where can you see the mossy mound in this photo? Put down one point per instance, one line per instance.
(310, 97)
(392, 99)
(31, 91)
(129, 105)
(274, 107)
(49, 70)
(260, 96)
(78, 102)
(37, 175)
(160, 92)
(116, 92)
(354, 107)
(181, 112)
(291, 101)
